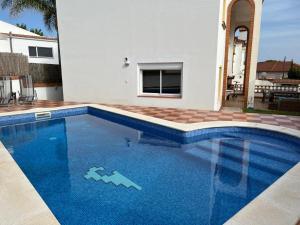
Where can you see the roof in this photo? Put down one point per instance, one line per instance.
(17, 32)
(275, 66)
(6, 28)
(29, 37)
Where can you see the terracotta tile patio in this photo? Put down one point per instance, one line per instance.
(195, 116)
(181, 115)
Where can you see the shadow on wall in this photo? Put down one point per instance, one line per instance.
(45, 73)
(50, 93)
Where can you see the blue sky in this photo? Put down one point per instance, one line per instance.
(280, 30)
(31, 18)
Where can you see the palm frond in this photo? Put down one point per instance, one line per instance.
(46, 7)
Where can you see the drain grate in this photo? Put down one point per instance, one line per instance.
(43, 116)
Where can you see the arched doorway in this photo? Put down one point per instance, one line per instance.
(239, 34)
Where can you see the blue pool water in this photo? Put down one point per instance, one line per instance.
(205, 182)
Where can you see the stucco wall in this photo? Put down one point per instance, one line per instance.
(96, 37)
(43, 93)
(220, 57)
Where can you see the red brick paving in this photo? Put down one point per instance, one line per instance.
(38, 104)
(195, 116)
(181, 115)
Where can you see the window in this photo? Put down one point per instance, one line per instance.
(32, 52)
(151, 81)
(161, 79)
(171, 81)
(40, 52)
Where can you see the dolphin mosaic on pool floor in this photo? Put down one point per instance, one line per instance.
(116, 178)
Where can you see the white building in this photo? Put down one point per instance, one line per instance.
(166, 53)
(39, 49)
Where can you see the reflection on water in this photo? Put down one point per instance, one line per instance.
(21, 133)
(26, 142)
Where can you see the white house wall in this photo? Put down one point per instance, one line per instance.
(43, 93)
(4, 45)
(96, 37)
(220, 58)
(49, 93)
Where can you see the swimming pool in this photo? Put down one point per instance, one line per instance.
(90, 170)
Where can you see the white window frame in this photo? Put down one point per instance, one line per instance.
(37, 52)
(159, 66)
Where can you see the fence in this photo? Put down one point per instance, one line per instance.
(13, 64)
(238, 88)
(268, 89)
(45, 73)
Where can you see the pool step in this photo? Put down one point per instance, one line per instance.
(43, 116)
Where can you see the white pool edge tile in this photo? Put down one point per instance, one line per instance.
(20, 203)
(278, 205)
(174, 125)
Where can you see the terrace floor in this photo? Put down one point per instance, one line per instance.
(180, 115)
(238, 103)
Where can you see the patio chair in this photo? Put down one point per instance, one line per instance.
(5, 90)
(27, 91)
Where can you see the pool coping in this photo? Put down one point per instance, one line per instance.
(265, 207)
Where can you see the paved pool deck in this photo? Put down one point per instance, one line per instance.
(187, 116)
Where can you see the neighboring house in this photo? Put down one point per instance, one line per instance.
(40, 50)
(273, 69)
(166, 53)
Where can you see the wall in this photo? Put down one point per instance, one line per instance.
(50, 93)
(254, 53)
(43, 93)
(96, 37)
(13, 64)
(20, 45)
(238, 63)
(263, 82)
(220, 55)
(270, 75)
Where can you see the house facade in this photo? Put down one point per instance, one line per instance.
(274, 69)
(39, 50)
(166, 53)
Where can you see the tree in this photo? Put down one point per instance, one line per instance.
(294, 73)
(46, 7)
(37, 31)
(22, 25)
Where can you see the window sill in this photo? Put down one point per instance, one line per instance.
(160, 96)
(41, 57)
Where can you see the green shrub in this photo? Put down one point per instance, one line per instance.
(294, 73)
